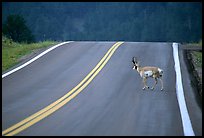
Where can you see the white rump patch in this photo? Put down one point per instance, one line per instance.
(160, 71)
(148, 73)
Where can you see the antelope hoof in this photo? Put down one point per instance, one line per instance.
(145, 87)
(152, 88)
(161, 89)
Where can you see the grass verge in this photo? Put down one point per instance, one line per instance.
(12, 51)
(196, 61)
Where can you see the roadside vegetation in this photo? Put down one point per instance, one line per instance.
(18, 42)
(197, 56)
(197, 63)
(13, 51)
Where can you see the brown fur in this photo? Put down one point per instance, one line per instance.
(148, 71)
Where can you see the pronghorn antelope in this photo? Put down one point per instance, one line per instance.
(146, 72)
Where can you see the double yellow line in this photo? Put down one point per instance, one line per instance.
(31, 120)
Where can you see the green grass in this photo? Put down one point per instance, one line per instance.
(194, 44)
(198, 58)
(12, 51)
(197, 55)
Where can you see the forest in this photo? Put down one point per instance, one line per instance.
(110, 21)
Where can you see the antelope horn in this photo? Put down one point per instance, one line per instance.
(134, 60)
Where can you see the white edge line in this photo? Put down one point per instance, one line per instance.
(33, 59)
(187, 127)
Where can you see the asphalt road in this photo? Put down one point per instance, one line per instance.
(112, 104)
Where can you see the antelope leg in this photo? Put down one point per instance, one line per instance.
(154, 83)
(145, 84)
(161, 84)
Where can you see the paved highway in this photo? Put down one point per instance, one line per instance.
(39, 99)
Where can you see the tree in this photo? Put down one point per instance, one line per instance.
(16, 29)
(130, 21)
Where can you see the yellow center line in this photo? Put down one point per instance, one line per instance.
(15, 129)
(59, 100)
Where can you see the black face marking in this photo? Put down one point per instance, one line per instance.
(134, 61)
(134, 67)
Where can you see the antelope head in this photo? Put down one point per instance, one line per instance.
(135, 63)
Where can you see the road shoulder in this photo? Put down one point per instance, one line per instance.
(192, 97)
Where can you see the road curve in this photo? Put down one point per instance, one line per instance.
(112, 104)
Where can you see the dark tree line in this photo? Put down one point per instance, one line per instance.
(15, 28)
(129, 21)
